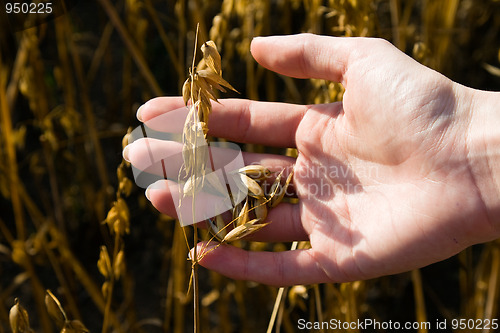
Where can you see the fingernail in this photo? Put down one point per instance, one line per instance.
(148, 191)
(125, 152)
(257, 38)
(159, 184)
(138, 114)
(202, 249)
(262, 38)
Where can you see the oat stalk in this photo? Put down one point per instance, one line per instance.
(198, 91)
(279, 299)
(194, 266)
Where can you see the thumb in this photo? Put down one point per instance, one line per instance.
(306, 55)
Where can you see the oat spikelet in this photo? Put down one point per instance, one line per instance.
(212, 57)
(244, 230)
(202, 84)
(57, 313)
(55, 309)
(198, 91)
(18, 319)
(250, 215)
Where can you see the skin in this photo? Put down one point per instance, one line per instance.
(401, 174)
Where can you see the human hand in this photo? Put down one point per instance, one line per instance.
(383, 178)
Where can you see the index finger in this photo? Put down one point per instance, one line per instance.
(240, 120)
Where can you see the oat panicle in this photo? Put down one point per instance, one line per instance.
(198, 92)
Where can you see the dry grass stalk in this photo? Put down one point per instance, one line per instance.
(118, 223)
(198, 91)
(420, 312)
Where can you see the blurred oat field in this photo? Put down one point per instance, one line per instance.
(73, 222)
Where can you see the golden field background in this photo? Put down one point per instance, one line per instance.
(69, 90)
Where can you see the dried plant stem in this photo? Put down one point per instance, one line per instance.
(109, 296)
(6, 126)
(66, 256)
(196, 295)
(82, 275)
(317, 300)
(277, 305)
(21, 59)
(99, 53)
(58, 270)
(38, 293)
(86, 105)
(164, 38)
(194, 272)
(194, 267)
(4, 230)
(194, 259)
(15, 197)
(133, 49)
(418, 292)
(466, 282)
(279, 298)
(491, 303)
(180, 13)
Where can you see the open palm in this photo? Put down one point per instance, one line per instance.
(383, 180)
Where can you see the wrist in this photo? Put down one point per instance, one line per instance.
(483, 143)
